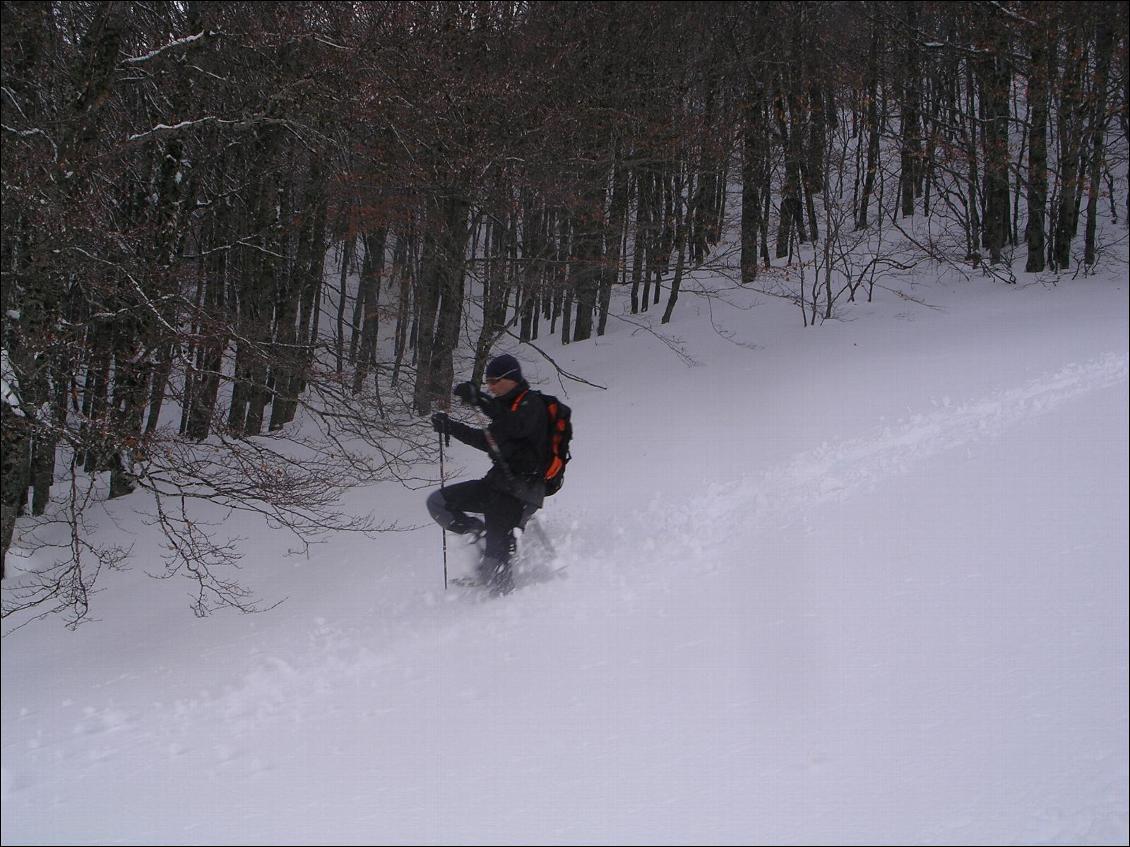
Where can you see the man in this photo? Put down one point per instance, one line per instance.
(516, 440)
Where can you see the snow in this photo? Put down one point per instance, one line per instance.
(863, 583)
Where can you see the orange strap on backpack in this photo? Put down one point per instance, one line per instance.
(555, 462)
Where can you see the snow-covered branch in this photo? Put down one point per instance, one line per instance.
(179, 42)
(25, 133)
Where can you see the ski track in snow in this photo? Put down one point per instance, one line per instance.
(839, 470)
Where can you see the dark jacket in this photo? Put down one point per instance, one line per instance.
(520, 429)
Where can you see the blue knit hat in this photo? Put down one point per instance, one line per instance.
(504, 367)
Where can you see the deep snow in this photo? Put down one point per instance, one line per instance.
(864, 583)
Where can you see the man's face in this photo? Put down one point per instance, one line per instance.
(500, 387)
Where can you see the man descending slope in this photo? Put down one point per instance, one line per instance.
(517, 439)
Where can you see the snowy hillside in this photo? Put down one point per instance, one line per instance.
(864, 583)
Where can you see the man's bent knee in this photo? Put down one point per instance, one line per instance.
(451, 519)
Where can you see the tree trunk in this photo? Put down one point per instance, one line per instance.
(614, 234)
(347, 247)
(994, 84)
(681, 226)
(585, 263)
(440, 293)
(643, 224)
(1041, 48)
(369, 296)
(911, 112)
(973, 217)
(872, 123)
(754, 148)
(1104, 46)
(1069, 119)
(402, 272)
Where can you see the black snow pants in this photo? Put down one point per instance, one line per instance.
(501, 512)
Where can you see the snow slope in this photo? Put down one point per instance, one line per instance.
(864, 583)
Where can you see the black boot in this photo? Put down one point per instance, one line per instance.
(462, 524)
(496, 575)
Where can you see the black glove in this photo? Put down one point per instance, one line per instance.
(441, 423)
(469, 393)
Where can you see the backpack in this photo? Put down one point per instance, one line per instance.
(560, 419)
